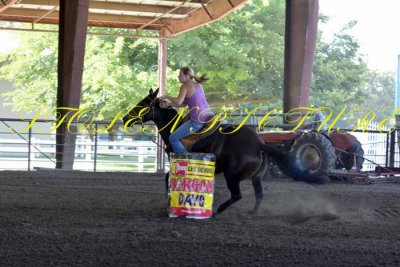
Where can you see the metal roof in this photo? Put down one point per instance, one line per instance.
(171, 16)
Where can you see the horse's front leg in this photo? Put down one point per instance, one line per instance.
(167, 182)
(233, 186)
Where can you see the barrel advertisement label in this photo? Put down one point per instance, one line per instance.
(191, 187)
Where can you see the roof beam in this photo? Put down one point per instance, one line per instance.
(102, 24)
(137, 7)
(160, 17)
(8, 5)
(175, 16)
(34, 14)
(46, 14)
(178, 2)
(148, 8)
(214, 11)
(129, 35)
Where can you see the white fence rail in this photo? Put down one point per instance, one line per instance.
(375, 145)
(109, 155)
(127, 154)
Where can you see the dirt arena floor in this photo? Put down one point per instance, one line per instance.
(87, 219)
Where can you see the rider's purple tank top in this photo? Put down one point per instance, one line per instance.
(198, 106)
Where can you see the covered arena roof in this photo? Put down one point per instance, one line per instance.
(171, 16)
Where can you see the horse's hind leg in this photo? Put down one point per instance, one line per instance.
(255, 169)
(258, 192)
(167, 182)
(256, 180)
(233, 186)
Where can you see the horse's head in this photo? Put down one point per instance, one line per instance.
(144, 111)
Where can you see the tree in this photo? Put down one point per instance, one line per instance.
(381, 92)
(113, 79)
(32, 69)
(118, 71)
(242, 54)
(342, 80)
(340, 72)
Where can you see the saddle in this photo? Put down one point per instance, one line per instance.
(190, 140)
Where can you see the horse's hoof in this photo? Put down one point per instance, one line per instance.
(253, 212)
(220, 210)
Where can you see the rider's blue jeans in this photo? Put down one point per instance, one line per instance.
(186, 129)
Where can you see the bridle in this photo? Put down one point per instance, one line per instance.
(138, 114)
(151, 106)
(153, 102)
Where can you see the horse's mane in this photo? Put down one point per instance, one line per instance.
(167, 114)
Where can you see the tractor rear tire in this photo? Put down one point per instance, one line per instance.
(347, 159)
(311, 158)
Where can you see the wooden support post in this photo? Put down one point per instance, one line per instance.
(392, 148)
(162, 81)
(300, 42)
(71, 50)
(162, 64)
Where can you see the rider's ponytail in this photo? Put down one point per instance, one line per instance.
(189, 71)
(201, 79)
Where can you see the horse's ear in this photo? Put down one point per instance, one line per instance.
(151, 91)
(156, 92)
(153, 94)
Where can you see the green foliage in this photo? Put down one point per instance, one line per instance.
(33, 70)
(112, 79)
(342, 80)
(381, 93)
(242, 55)
(115, 74)
(340, 73)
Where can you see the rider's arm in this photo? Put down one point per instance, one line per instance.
(177, 101)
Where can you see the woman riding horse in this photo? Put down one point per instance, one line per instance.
(191, 94)
(239, 155)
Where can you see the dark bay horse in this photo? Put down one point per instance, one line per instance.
(239, 155)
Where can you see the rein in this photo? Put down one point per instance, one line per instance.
(152, 139)
(153, 102)
(151, 106)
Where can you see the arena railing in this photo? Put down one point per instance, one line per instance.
(25, 145)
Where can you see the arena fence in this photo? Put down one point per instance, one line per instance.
(27, 146)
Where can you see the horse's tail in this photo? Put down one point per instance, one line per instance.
(273, 151)
(290, 166)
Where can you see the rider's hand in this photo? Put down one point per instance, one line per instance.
(163, 97)
(164, 104)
